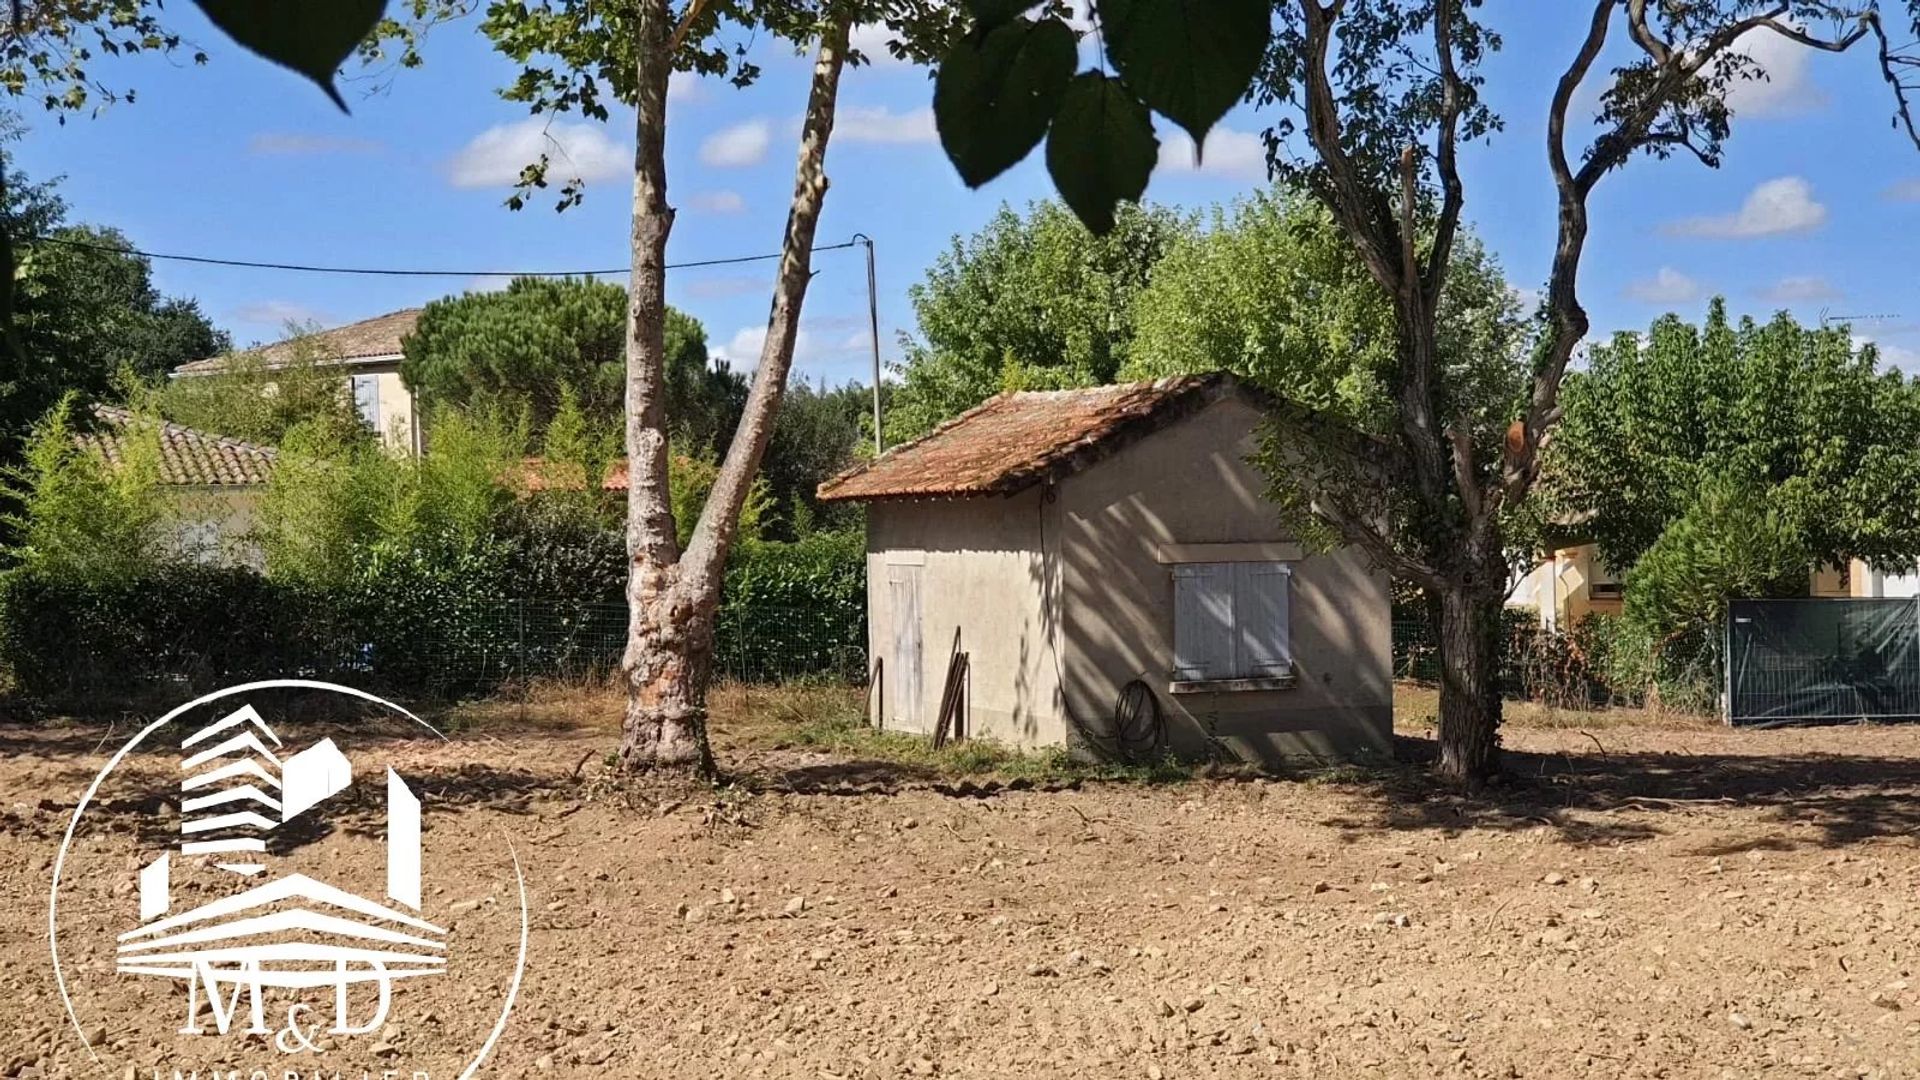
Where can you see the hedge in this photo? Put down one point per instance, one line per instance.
(435, 620)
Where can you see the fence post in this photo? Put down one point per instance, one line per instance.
(520, 651)
(1726, 670)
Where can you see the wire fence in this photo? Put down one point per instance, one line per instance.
(518, 641)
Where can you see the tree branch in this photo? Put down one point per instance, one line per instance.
(1903, 108)
(685, 24)
(720, 518)
(1643, 35)
(1445, 158)
(1353, 202)
(1568, 318)
(1368, 538)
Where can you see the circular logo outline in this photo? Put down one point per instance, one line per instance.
(66, 842)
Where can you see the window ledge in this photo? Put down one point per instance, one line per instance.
(1231, 686)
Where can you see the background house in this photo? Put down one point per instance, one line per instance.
(367, 355)
(1573, 581)
(215, 482)
(1109, 552)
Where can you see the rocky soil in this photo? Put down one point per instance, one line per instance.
(1687, 902)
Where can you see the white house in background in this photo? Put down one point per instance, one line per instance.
(367, 354)
(215, 482)
(1870, 582)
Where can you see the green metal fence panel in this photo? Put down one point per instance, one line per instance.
(1822, 660)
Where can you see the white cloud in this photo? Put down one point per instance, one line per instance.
(1799, 289)
(287, 144)
(742, 350)
(576, 151)
(277, 313)
(1667, 286)
(737, 147)
(1785, 89)
(871, 39)
(1907, 360)
(1230, 155)
(879, 124)
(717, 202)
(1782, 205)
(684, 86)
(1907, 190)
(824, 341)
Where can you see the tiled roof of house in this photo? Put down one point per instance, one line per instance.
(1018, 439)
(539, 474)
(187, 457)
(372, 338)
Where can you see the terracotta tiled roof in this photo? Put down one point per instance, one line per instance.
(187, 457)
(1018, 439)
(378, 337)
(538, 474)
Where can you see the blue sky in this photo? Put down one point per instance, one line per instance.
(1813, 211)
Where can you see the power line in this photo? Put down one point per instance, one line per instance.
(388, 271)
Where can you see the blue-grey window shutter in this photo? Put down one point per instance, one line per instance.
(1265, 645)
(1202, 621)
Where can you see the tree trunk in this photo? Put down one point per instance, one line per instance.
(1469, 683)
(720, 518)
(664, 724)
(673, 601)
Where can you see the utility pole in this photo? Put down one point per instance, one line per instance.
(873, 323)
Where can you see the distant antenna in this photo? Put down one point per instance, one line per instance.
(1825, 318)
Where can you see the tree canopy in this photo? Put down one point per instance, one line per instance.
(1031, 301)
(84, 310)
(1801, 416)
(526, 347)
(1274, 292)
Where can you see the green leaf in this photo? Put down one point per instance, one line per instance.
(1188, 59)
(310, 36)
(1102, 148)
(991, 13)
(997, 91)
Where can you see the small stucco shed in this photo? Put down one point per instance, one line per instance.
(1108, 564)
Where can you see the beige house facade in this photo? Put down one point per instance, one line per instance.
(1572, 582)
(367, 355)
(1108, 565)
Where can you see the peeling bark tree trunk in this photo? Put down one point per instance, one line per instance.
(661, 724)
(673, 598)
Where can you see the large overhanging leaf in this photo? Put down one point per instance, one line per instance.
(996, 92)
(312, 37)
(1101, 150)
(1190, 60)
(991, 13)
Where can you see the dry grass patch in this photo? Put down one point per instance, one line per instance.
(1416, 705)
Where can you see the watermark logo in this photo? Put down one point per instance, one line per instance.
(262, 953)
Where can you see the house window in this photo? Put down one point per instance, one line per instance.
(1606, 584)
(366, 399)
(1230, 624)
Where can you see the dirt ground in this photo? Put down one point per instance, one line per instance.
(1645, 900)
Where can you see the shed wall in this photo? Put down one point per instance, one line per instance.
(1190, 484)
(981, 575)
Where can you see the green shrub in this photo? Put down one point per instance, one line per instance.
(82, 518)
(184, 625)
